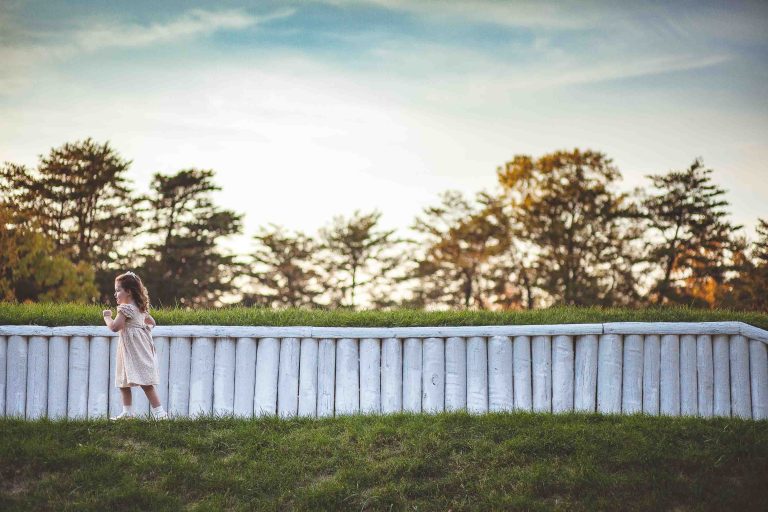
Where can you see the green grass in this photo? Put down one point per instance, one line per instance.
(416, 462)
(78, 314)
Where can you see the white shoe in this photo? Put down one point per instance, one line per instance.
(122, 416)
(162, 416)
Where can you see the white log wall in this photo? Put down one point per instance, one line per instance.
(677, 369)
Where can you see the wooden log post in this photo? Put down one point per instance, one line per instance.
(433, 381)
(563, 356)
(58, 377)
(98, 377)
(267, 366)
(585, 380)
(651, 374)
(500, 385)
(162, 359)
(455, 373)
(670, 375)
(308, 378)
(477, 375)
(37, 378)
(347, 377)
(16, 390)
(632, 382)
(370, 375)
(721, 348)
(689, 400)
(609, 371)
(391, 375)
(3, 367)
(326, 372)
(288, 378)
(741, 404)
(224, 365)
(541, 359)
(77, 395)
(522, 377)
(245, 376)
(201, 377)
(758, 371)
(412, 374)
(705, 375)
(178, 380)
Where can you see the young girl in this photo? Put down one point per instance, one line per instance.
(135, 348)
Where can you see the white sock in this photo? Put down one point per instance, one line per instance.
(128, 409)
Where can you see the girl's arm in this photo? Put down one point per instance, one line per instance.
(116, 324)
(149, 320)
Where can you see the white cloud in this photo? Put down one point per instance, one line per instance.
(21, 61)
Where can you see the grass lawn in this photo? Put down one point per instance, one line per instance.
(447, 461)
(78, 314)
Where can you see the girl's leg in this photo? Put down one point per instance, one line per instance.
(126, 392)
(151, 393)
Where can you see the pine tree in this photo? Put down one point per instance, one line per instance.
(184, 265)
(284, 269)
(693, 238)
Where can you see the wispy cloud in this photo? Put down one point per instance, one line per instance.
(21, 59)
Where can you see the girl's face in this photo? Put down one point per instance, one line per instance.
(122, 296)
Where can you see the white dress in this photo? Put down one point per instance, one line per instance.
(136, 356)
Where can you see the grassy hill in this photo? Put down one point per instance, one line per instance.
(450, 461)
(79, 314)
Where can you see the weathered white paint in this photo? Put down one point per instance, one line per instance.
(391, 375)
(455, 373)
(98, 377)
(3, 366)
(500, 385)
(326, 372)
(689, 400)
(163, 359)
(753, 333)
(223, 377)
(651, 373)
(541, 359)
(77, 394)
(308, 378)
(58, 376)
(267, 361)
(522, 377)
(347, 376)
(17, 376)
(201, 377)
(562, 373)
(37, 377)
(585, 378)
(741, 405)
(412, 374)
(677, 328)
(178, 380)
(669, 386)
(477, 375)
(245, 376)
(705, 375)
(216, 331)
(758, 370)
(632, 383)
(721, 345)
(609, 371)
(69, 371)
(370, 375)
(433, 375)
(288, 378)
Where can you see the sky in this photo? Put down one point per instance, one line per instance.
(307, 110)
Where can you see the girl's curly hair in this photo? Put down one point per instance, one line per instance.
(131, 283)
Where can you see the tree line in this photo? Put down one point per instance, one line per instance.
(557, 230)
